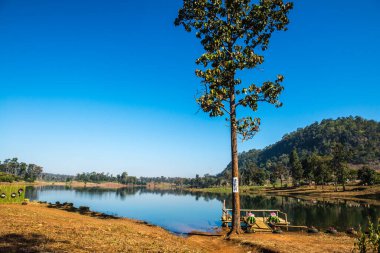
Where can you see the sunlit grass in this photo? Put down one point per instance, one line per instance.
(12, 193)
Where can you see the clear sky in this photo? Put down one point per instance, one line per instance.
(109, 86)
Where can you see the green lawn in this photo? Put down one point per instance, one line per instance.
(11, 194)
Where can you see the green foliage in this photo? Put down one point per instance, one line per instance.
(361, 242)
(339, 164)
(259, 176)
(295, 167)
(359, 137)
(371, 242)
(4, 177)
(320, 169)
(254, 176)
(27, 172)
(234, 34)
(273, 179)
(366, 175)
(96, 177)
(12, 194)
(56, 177)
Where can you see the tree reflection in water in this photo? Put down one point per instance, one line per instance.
(322, 214)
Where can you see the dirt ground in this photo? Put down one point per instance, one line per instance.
(36, 228)
(298, 242)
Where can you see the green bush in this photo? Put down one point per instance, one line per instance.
(368, 243)
(366, 175)
(4, 177)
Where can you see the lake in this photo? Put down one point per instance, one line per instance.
(181, 212)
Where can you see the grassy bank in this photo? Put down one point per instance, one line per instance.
(36, 228)
(12, 194)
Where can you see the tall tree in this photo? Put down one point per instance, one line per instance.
(282, 168)
(308, 168)
(234, 34)
(259, 176)
(341, 155)
(295, 167)
(320, 169)
(367, 175)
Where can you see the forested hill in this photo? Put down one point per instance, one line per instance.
(360, 137)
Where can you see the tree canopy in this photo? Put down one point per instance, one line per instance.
(20, 170)
(234, 35)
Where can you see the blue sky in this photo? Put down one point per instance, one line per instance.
(110, 85)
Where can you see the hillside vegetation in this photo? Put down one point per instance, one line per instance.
(360, 137)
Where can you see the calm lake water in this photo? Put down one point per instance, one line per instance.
(182, 212)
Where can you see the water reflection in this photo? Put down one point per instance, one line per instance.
(182, 211)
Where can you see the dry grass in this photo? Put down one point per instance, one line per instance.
(36, 228)
(298, 242)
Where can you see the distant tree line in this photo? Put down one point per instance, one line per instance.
(13, 170)
(124, 178)
(96, 177)
(51, 177)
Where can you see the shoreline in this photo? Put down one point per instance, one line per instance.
(104, 185)
(74, 184)
(362, 194)
(368, 195)
(37, 227)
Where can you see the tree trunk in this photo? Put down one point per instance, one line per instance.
(235, 229)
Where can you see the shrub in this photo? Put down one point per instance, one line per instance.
(4, 177)
(366, 175)
(366, 243)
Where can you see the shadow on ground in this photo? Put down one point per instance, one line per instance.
(25, 243)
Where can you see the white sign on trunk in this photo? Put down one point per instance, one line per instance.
(235, 184)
